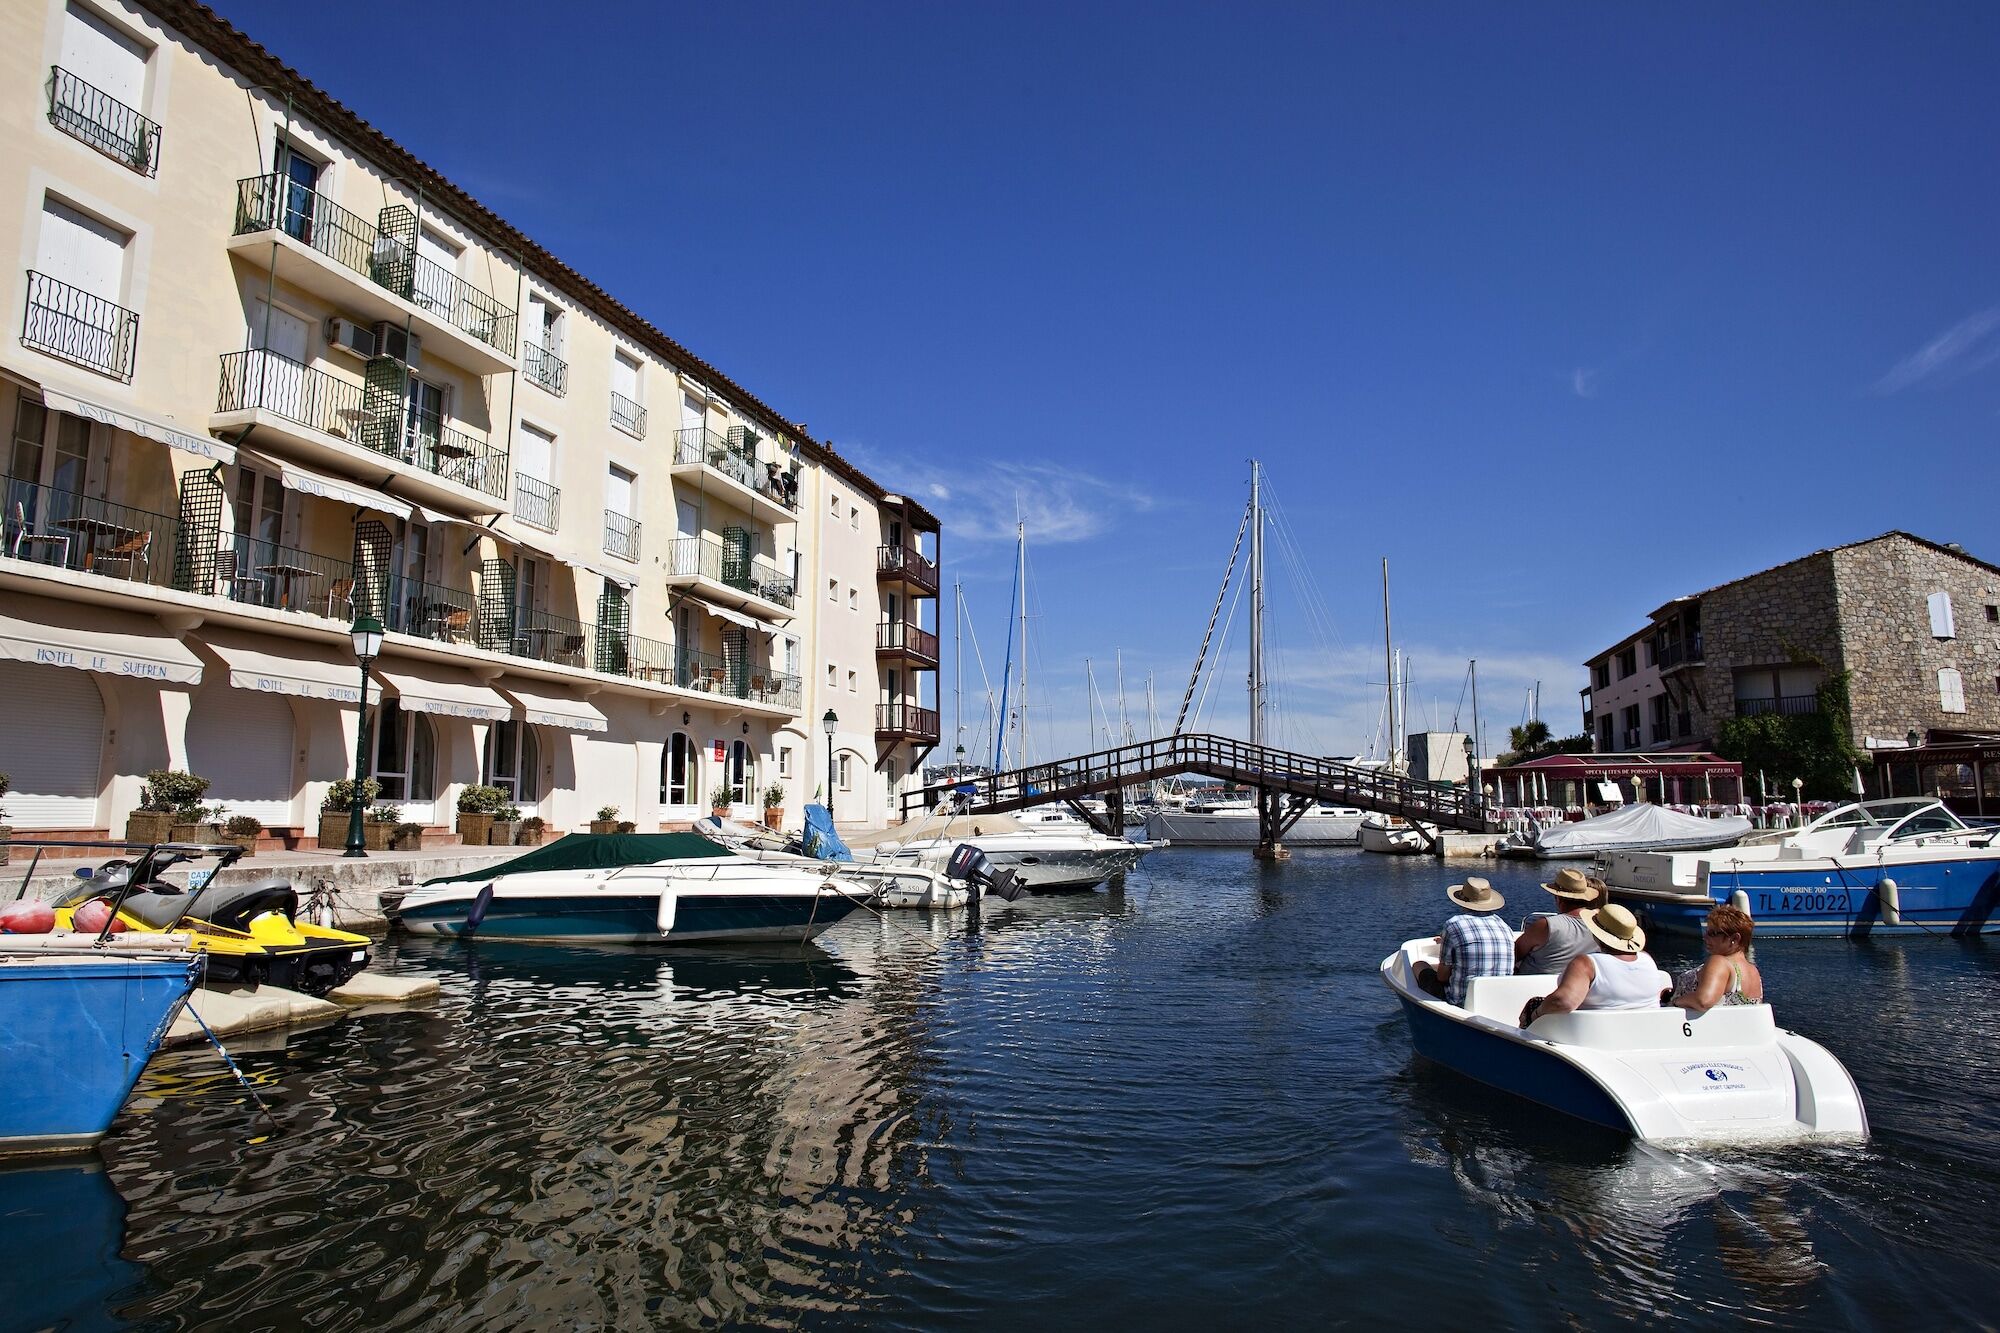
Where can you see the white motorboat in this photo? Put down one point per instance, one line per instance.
(1631, 828)
(1662, 1075)
(1392, 835)
(662, 888)
(1233, 823)
(1046, 856)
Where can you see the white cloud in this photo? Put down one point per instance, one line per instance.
(1583, 382)
(980, 500)
(1965, 347)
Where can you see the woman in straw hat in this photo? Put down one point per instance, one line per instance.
(1623, 976)
(1548, 942)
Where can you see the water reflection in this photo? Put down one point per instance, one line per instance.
(64, 1223)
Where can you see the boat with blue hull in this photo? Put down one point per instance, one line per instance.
(1902, 866)
(82, 1017)
(1661, 1075)
(668, 888)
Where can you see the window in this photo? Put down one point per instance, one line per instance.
(537, 499)
(844, 768)
(677, 771)
(1628, 663)
(49, 449)
(1604, 735)
(834, 506)
(791, 656)
(784, 761)
(832, 675)
(626, 412)
(513, 761)
(1951, 690)
(853, 599)
(1601, 675)
(1942, 626)
(853, 518)
(850, 682)
(833, 591)
(405, 754)
(98, 89)
(742, 773)
(76, 291)
(621, 524)
(541, 350)
(1992, 613)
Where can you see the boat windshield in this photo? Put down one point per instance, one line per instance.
(1884, 813)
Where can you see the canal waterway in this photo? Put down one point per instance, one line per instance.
(1186, 1103)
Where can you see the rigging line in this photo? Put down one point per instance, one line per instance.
(1311, 595)
(1194, 677)
(1221, 653)
(1463, 681)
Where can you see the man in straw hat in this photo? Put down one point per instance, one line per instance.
(1475, 943)
(1548, 942)
(1622, 976)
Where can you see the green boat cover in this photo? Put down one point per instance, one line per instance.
(597, 851)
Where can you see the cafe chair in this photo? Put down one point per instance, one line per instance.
(135, 551)
(25, 536)
(229, 579)
(341, 591)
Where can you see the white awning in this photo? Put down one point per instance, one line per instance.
(438, 518)
(46, 632)
(308, 482)
(625, 579)
(425, 689)
(285, 666)
(734, 617)
(62, 401)
(544, 709)
(538, 544)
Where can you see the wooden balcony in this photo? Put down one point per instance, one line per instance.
(906, 722)
(896, 638)
(908, 566)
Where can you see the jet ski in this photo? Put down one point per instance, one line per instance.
(245, 934)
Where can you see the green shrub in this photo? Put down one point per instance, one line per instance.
(242, 826)
(385, 814)
(774, 796)
(607, 812)
(170, 791)
(627, 826)
(481, 800)
(721, 798)
(407, 830)
(340, 796)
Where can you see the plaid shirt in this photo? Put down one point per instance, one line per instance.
(1475, 945)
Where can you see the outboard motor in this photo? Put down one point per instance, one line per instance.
(973, 867)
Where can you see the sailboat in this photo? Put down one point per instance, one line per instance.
(1392, 835)
(1213, 818)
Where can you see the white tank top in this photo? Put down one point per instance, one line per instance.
(1622, 985)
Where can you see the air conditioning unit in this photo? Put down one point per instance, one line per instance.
(344, 335)
(393, 340)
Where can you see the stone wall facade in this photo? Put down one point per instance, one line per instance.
(1768, 619)
(1883, 590)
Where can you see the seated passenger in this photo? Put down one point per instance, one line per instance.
(1548, 942)
(1726, 976)
(1622, 976)
(1475, 943)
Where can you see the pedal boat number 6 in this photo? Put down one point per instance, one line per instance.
(1662, 1075)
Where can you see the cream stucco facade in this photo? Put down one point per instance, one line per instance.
(265, 372)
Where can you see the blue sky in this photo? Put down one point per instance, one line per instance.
(1564, 308)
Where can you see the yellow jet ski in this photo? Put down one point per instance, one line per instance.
(250, 933)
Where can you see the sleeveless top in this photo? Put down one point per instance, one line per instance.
(1568, 937)
(1686, 982)
(1622, 985)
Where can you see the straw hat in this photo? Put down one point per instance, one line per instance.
(1574, 885)
(1475, 895)
(1616, 928)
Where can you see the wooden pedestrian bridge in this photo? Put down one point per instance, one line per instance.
(1287, 785)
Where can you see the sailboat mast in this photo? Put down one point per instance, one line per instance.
(958, 672)
(1124, 727)
(1472, 778)
(1389, 661)
(1090, 700)
(1021, 596)
(1256, 607)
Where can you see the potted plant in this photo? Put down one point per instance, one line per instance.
(476, 808)
(718, 801)
(627, 826)
(774, 806)
(337, 808)
(533, 829)
(167, 792)
(506, 826)
(407, 837)
(606, 821)
(378, 830)
(242, 830)
(197, 823)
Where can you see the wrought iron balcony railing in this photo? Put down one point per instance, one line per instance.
(699, 444)
(85, 330)
(734, 567)
(312, 398)
(621, 535)
(545, 369)
(65, 530)
(272, 202)
(628, 416)
(536, 502)
(1786, 705)
(423, 610)
(95, 117)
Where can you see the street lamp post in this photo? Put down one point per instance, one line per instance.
(367, 636)
(829, 724)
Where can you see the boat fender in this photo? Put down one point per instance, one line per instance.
(889, 848)
(477, 912)
(89, 919)
(1740, 901)
(663, 919)
(28, 916)
(1891, 899)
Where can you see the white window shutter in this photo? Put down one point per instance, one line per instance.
(1941, 621)
(1951, 691)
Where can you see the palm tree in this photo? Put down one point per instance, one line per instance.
(1529, 740)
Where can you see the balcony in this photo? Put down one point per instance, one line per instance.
(545, 370)
(340, 423)
(536, 502)
(732, 576)
(1675, 654)
(908, 566)
(1787, 705)
(762, 489)
(353, 265)
(94, 117)
(628, 416)
(897, 638)
(906, 722)
(82, 329)
(621, 535)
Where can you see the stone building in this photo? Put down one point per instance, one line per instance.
(1916, 623)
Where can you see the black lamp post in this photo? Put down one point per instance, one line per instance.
(367, 636)
(829, 724)
(1472, 768)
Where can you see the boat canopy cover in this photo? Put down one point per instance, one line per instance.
(1639, 826)
(821, 841)
(597, 851)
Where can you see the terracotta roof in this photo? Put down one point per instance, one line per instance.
(1940, 547)
(207, 28)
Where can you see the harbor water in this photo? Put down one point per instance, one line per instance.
(1188, 1102)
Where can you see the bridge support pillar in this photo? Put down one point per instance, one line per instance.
(1271, 824)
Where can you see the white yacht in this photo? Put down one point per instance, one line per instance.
(1050, 851)
(1232, 822)
(1393, 835)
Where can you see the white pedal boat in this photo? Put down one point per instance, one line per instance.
(1661, 1075)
